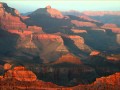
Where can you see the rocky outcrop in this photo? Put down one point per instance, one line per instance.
(21, 74)
(9, 18)
(79, 42)
(7, 66)
(112, 27)
(52, 38)
(77, 39)
(5, 9)
(112, 58)
(35, 29)
(109, 25)
(22, 34)
(94, 53)
(109, 80)
(83, 24)
(25, 39)
(50, 46)
(48, 11)
(68, 58)
(103, 83)
(54, 13)
(78, 31)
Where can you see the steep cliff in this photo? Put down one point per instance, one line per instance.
(50, 46)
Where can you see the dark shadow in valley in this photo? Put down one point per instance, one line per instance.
(72, 47)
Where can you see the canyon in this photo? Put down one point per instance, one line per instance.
(49, 49)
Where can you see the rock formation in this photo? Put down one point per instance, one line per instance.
(78, 31)
(48, 44)
(83, 24)
(109, 25)
(113, 27)
(112, 58)
(10, 18)
(46, 38)
(21, 74)
(79, 42)
(51, 12)
(35, 29)
(94, 53)
(68, 58)
(109, 82)
(5, 9)
(54, 13)
(7, 66)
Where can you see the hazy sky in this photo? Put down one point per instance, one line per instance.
(63, 5)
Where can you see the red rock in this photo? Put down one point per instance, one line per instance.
(83, 24)
(112, 58)
(78, 31)
(79, 42)
(68, 58)
(35, 29)
(51, 12)
(21, 74)
(54, 13)
(19, 68)
(1, 77)
(76, 38)
(9, 18)
(104, 83)
(111, 80)
(51, 37)
(4, 7)
(7, 66)
(115, 30)
(110, 25)
(94, 53)
(22, 34)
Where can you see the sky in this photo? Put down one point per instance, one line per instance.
(24, 6)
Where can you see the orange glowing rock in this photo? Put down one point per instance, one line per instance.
(78, 31)
(7, 66)
(51, 37)
(112, 58)
(54, 13)
(21, 74)
(94, 53)
(68, 58)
